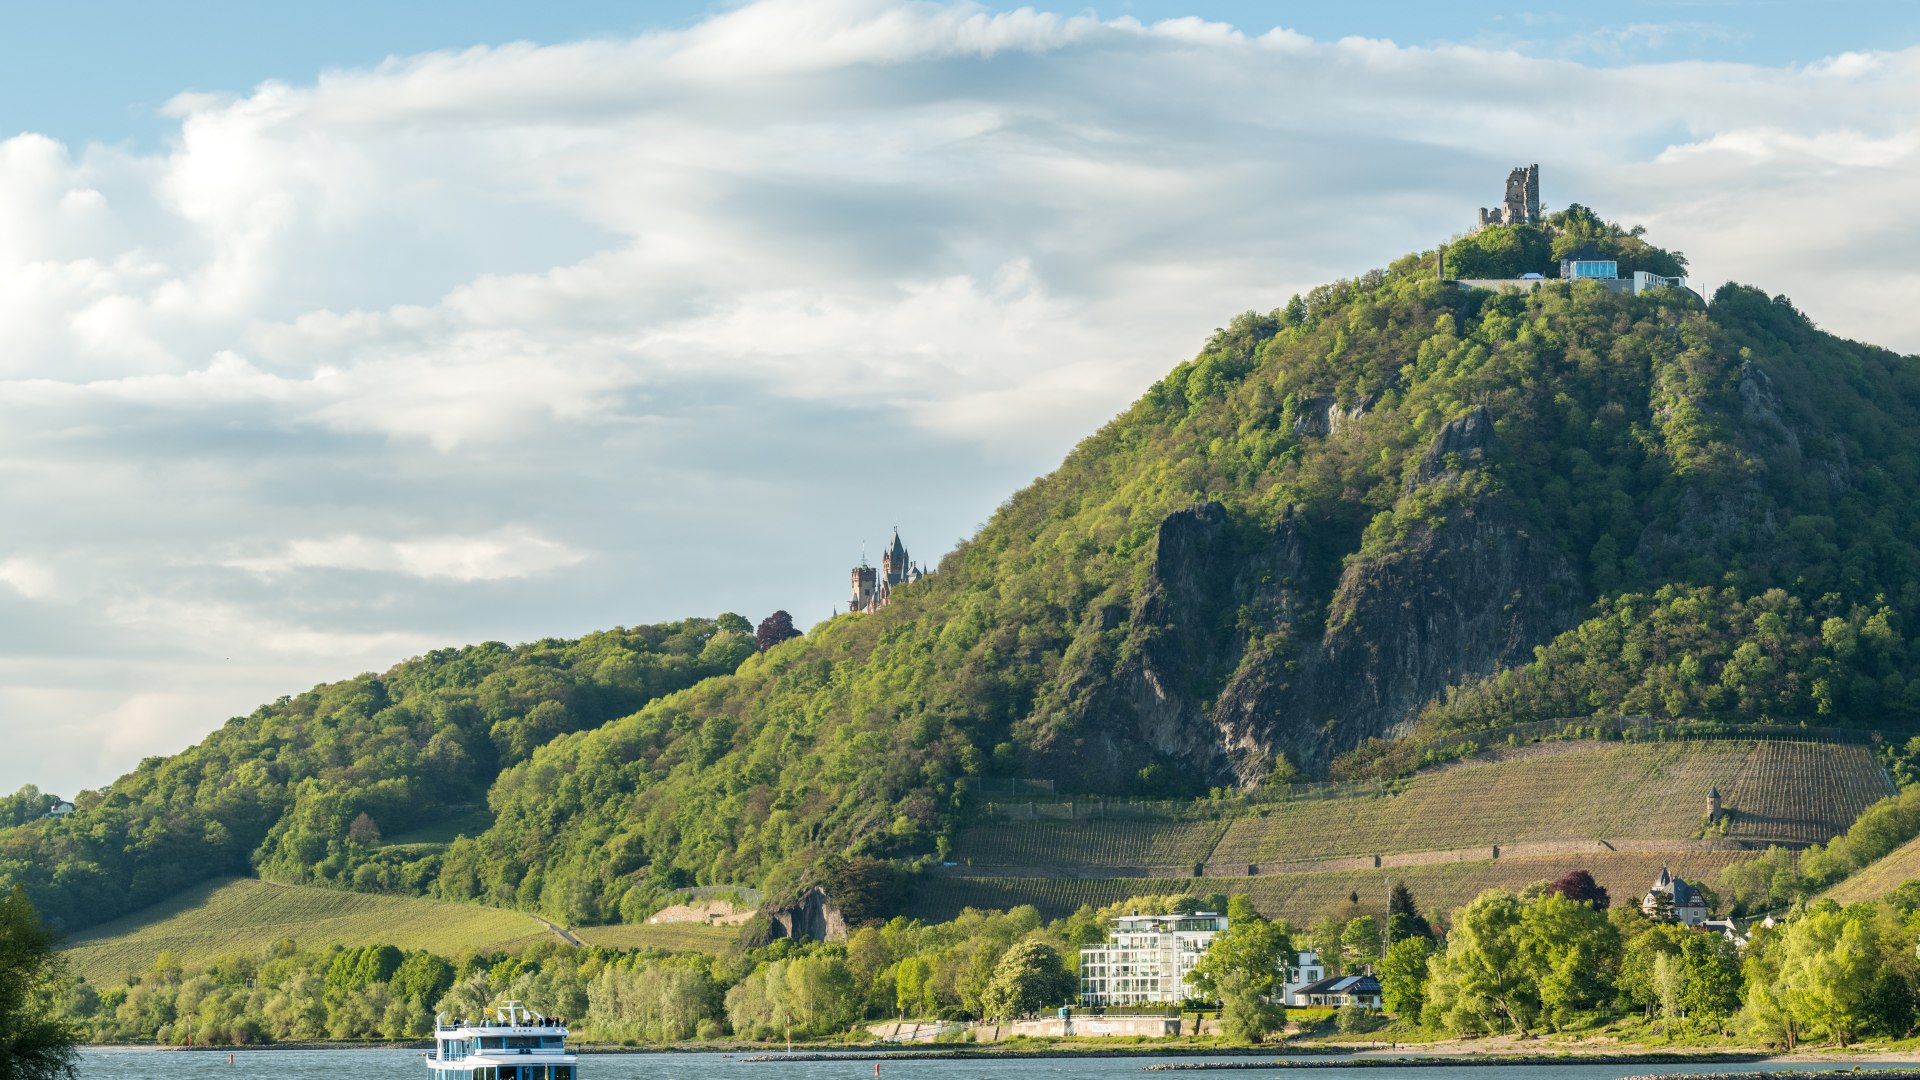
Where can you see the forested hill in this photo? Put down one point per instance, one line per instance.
(302, 789)
(1391, 504)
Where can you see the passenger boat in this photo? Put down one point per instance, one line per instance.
(512, 1042)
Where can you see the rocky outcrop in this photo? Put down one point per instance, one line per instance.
(1462, 444)
(812, 917)
(1247, 643)
(1323, 417)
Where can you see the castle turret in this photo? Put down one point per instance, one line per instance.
(1713, 804)
(893, 562)
(865, 587)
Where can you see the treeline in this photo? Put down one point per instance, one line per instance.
(982, 964)
(1555, 957)
(303, 789)
(1542, 961)
(1509, 251)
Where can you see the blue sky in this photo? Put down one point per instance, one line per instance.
(102, 71)
(332, 334)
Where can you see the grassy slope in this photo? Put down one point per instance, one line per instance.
(1795, 792)
(1898, 867)
(245, 915)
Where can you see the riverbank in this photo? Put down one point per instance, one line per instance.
(1498, 1050)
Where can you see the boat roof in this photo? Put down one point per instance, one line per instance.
(509, 1018)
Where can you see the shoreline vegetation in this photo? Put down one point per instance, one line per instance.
(1285, 1054)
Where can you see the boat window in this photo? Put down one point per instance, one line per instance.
(524, 1042)
(563, 1072)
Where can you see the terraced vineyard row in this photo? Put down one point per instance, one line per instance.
(245, 916)
(1778, 791)
(1302, 898)
(1799, 792)
(1116, 842)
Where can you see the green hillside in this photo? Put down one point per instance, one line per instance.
(1880, 877)
(1385, 512)
(1357, 516)
(302, 789)
(234, 916)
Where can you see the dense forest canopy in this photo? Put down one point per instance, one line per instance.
(1389, 506)
(279, 792)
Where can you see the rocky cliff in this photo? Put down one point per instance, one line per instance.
(1243, 646)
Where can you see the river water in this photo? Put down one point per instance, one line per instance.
(405, 1064)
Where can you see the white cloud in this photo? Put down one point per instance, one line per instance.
(508, 553)
(30, 578)
(715, 304)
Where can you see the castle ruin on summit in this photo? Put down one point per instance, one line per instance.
(1522, 204)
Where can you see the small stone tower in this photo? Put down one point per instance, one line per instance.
(1713, 804)
(865, 587)
(1521, 205)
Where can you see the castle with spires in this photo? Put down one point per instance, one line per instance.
(873, 587)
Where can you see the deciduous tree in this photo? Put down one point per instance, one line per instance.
(35, 1043)
(774, 629)
(1030, 977)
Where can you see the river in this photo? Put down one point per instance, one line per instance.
(359, 1064)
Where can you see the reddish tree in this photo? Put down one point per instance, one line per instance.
(1579, 885)
(774, 629)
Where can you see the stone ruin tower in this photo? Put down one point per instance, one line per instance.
(1522, 204)
(1713, 804)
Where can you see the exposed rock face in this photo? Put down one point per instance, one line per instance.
(1461, 444)
(1737, 514)
(1324, 417)
(812, 917)
(1246, 643)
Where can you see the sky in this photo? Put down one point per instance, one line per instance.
(334, 334)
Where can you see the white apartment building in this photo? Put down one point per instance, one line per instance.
(1146, 959)
(1305, 970)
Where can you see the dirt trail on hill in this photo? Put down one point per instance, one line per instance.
(565, 935)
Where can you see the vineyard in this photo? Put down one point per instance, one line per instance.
(1778, 791)
(245, 915)
(678, 937)
(1112, 842)
(1898, 867)
(1303, 897)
